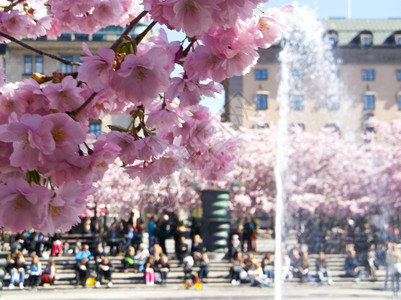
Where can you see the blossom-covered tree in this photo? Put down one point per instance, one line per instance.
(385, 148)
(49, 162)
(121, 194)
(327, 174)
(254, 172)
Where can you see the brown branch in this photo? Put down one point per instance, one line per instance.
(186, 51)
(9, 37)
(131, 26)
(114, 47)
(16, 3)
(85, 104)
(140, 36)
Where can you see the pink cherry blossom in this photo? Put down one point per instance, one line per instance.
(29, 202)
(58, 132)
(141, 79)
(64, 96)
(21, 134)
(66, 206)
(43, 123)
(30, 93)
(96, 70)
(129, 146)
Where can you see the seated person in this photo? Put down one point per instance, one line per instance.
(35, 270)
(82, 271)
(304, 268)
(99, 252)
(157, 251)
(113, 239)
(351, 266)
(162, 266)
(268, 265)
(182, 250)
(104, 271)
(257, 278)
(84, 253)
(140, 258)
(203, 267)
(238, 266)
(249, 262)
(188, 264)
(49, 273)
(150, 271)
(57, 244)
(322, 269)
(129, 259)
(129, 237)
(17, 272)
(371, 263)
(235, 246)
(197, 248)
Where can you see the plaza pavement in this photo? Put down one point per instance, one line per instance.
(303, 292)
(213, 291)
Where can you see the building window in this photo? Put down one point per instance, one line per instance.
(98, 37)
(333, 126)
(294, 126)
(332, 40)
(81, 37)
(397, 40)
(399, 75)
(366, 40)
(66, 68)
(39, 64)
(368, 74)
(261, 74)
(261, 101)
(399, 101)
(297, 74)
(27, 64)
(369, 102)
(333, 102)
(65, 37)
(297, 102)
(95, 126)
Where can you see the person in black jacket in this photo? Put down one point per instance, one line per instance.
(163, 231)
(82, 271)
(113, 239)
(247, 232)
(104, 271)
(182, 250)
(17, 272)
(162, 266)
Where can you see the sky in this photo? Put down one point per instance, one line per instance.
(359, 9)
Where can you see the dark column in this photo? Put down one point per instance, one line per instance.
(215, 221)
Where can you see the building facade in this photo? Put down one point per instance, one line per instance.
(20, 63)
(368, 56)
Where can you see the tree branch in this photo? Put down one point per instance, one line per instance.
(114, 47)
(9, 37)
(131, 26)
(85, 104)
(140, 36)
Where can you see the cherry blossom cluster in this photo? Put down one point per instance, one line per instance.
(326, 174)
(37, 18)
(50, 162)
